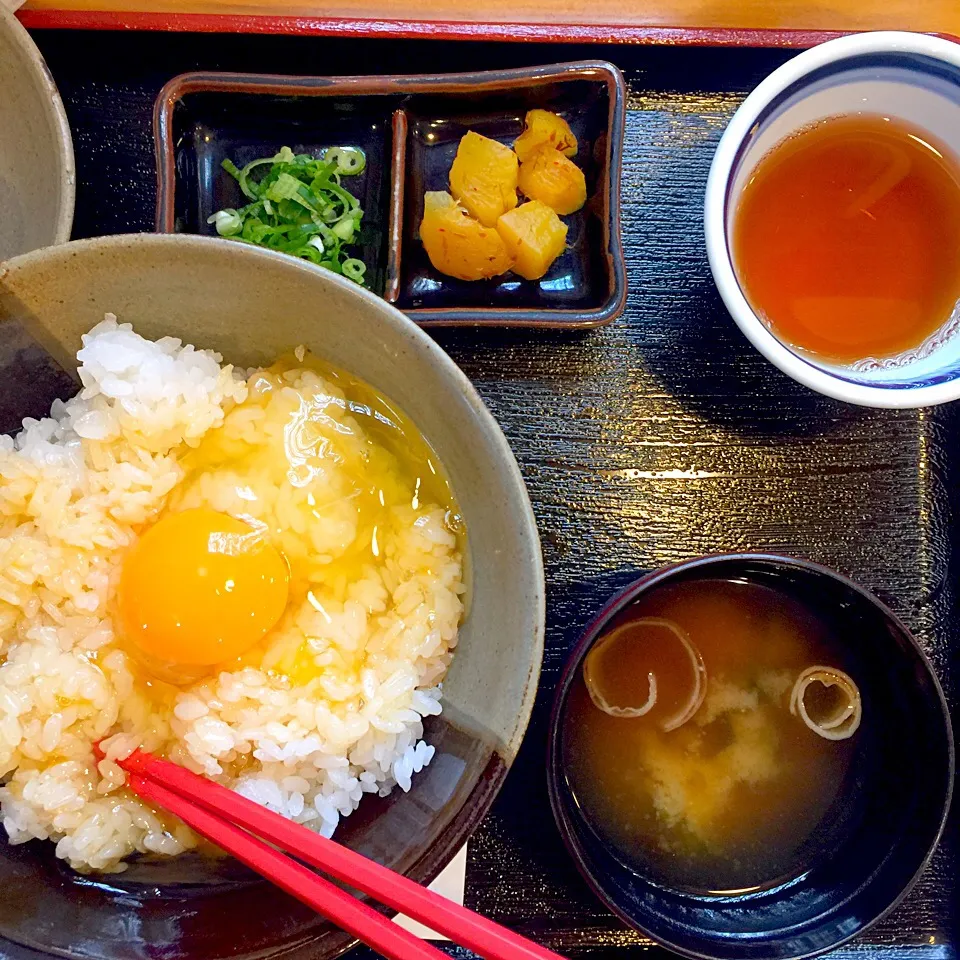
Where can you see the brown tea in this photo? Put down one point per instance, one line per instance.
(709, 778)
(846, 239)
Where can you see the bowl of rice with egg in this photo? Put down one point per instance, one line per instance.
(254, 521)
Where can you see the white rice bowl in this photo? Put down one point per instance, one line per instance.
(75, 490)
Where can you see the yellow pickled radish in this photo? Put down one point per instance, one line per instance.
(534, 236)
(458, 245)
(545, 129)
(484, 177)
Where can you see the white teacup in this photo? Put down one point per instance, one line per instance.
(909, 76)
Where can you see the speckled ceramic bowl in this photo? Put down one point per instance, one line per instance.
(252, 305)
(37, 176)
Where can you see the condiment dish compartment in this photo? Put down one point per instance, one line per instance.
(210, 118)
(582, 284)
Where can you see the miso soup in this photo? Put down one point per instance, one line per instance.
(710, 733)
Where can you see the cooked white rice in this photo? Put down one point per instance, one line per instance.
(75, 490)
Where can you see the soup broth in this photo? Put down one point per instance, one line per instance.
(846, 239)
(740, 794)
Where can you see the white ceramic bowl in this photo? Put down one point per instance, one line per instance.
(37, 176)
(910, 76)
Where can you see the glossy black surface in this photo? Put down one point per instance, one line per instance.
(894, 799)
(210, 127)
(579, 278)
(662, 436)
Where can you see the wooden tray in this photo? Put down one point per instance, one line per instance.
(659, 437)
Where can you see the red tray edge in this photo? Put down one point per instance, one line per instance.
(413, 29)
(432, 30)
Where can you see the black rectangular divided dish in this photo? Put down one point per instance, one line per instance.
(659, 437)
(409, 129)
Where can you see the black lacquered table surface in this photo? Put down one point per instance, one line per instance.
(660, 437)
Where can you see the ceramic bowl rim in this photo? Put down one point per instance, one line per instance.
(715, 227)
(592, 631)
(43, 80)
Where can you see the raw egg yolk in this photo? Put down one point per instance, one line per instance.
(201, 587)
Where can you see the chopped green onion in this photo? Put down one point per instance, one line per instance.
(228, 222)
(298, 206)
(345, 229)
(349, 160)
(354, 269)
(285, 187)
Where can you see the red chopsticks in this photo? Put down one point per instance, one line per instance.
(235, 824)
